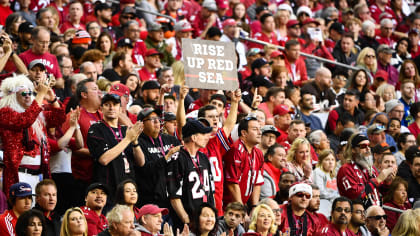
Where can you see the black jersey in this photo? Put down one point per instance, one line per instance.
(190, 179)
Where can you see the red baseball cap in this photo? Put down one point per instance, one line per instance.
(152, 52)
(275, 54)
(310, 20)
(281, 110)
(222, 4)
(291, 23)
(120, 90)
(229, 22)
(381, 74)
(151, 209)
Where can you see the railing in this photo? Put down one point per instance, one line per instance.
(147, 11)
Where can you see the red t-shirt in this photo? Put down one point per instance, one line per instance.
(145, 75)
(243, 168)
(49, 60)
(263, 37)
(96, 224)
(8, 222)
(35, 6)
(215, 149)
(376, 12)
(67, 25)
(4, 13)
(331, 230)
(414, 129)
(81, 166)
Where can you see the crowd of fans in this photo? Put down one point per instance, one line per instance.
(101, 136)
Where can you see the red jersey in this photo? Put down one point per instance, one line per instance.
(49, 60)
(81, 166)
(67, 25)
(263, 37)
(96, 224)
(323, 221)
(331, 230)
(382, 40)
(139, 52)
(63, 12)
(4, 13)
(414, 129)
(36, 5)
(199, 24)
(243, 168)
(376, 12)
(146, 75)
(197, 104)
(353, 182)
(7, 223)
(297, 71)
(215, 149)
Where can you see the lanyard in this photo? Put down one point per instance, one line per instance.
(161, 144)
(118, 138)
(200, 174)
(92, 116)
(292, 223)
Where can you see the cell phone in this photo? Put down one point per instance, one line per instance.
(315, 34)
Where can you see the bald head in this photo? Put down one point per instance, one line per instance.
(323, 78)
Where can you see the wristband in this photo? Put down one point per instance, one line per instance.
(254, 108)
(13, 53)
(54, 100)
(136, 145)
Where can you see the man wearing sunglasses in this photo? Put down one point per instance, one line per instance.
(360, 178)
(114, 148)
(341, 212)
(376, 221)
(296, 218)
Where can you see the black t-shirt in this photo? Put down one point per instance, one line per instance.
(151, 178)
(111, 75)
(100, 139)
(190, 179)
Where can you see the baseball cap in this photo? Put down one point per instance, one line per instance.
(168, 116)
(210, 5)
(125, 42)
(81, 37)
(183, 26)
(345, 135)
(337, 27)
(229, 22)
(261, 81)
(412, 152)
(222, 4)
(102, 6)
(270, 129)
(219, 97)
(304, 9)
(110, 97)
(292, 23)
(151, 84)
(155, 26)
(286, 7)
(300, 187)
(260, 9)
(357, 139)
(120, 89)
(310, 20)
(128, 10)
(391, 104)
(195, 127)
(385, 49)
(253, 51)
(381, 74)
(151, 209)
(382, 148)
(25, 27)
(281, 110)
(146, 112)
(127, 1)
(152, 52)
(20, 189)
(259, 62)
(98, 186)
(375, 129)
(36, 62)
(275, 54)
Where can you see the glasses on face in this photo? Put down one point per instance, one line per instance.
(44, 42)
(153, 119)
(363, 145)
(128, 17)
(339, 209)
(301, 195)
(361, 212)
(370, 56)
(25, 94)
(378, 217)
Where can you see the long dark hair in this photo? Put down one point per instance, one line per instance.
(196, 220)
(23, 222)
(119, 194)
(353, 84)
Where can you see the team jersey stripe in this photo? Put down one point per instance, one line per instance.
(221, 137)
(9, 225)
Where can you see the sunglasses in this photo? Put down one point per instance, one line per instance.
(339, 209)
(128, 17)
(370, 56)
(25, 94)
(301, 195)
(364, 145)
(378, 217)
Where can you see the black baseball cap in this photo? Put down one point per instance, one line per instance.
(110, 97)
(128, 10)
(381, 148)
(102, 6)
(337, 27)
(357, 139)
(261, 81)
(25, 27)
(259, 62)
(146, 112)
(98, 186)
(270, 129)
(219, 97)
(195, 127)
(151, 84)
(168, 116)
(125, 42)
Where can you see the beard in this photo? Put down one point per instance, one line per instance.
(365, 160)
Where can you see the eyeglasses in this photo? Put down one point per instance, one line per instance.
(370, 56)
(364, 145)
(128, 17)
(361, 212)
(339, 209)
(378, 217)
(153, 119)
(388, 28)
(25, 94)
(301, 195)
(277, 211)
